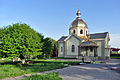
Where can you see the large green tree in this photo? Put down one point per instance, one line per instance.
(48, 47)
(20, 39)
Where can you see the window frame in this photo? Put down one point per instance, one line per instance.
(73, 48)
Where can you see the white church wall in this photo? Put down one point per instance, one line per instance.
(84, 31)
(98, 48)
(77, 30)
(107, 41)
(60, 52)
(72, 29)
(106, 52)
(103, 49)
(72, 41)
(101, 52)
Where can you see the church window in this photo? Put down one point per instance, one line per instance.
(91, 49)
(61, 49)
(81, 31)
(86, 32)
(73, 48)
(74, 31)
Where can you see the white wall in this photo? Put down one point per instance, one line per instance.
(77, 31)
(72, 41)
(60, 44)
(107, 41)
(99, 48)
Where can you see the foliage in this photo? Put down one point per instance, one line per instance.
(48, 47)
(115, 57)
(20, 39)
(12, 69)
(48, 76)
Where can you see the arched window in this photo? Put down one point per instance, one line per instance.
(86, 32)
(73, 48)
(61, 49)
(81, 31)
(74, 31)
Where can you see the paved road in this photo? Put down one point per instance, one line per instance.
(91, 71)
(88, 72)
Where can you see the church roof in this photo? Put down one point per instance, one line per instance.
(88, 43)
(78, 21)
(98, 35)
(62, 38)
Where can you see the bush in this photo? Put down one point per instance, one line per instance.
(115, 55)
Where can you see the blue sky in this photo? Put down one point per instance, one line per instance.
(52, 18)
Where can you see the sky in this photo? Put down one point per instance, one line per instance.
(52, 18)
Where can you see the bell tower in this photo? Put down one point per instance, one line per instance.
(79, 26)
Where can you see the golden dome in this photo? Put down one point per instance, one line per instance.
(78, 21)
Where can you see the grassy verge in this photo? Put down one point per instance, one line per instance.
(61, 58)
(13, 69)
(115, 57)
(48, 76)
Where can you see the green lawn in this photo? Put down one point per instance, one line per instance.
(115, 57)
(48, 76)
(12, 69)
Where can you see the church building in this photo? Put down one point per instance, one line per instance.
(79, 43)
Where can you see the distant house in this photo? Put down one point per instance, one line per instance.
(80, 43)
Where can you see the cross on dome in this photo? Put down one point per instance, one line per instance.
(78, 13)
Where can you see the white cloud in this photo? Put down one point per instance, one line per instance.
(115, 40)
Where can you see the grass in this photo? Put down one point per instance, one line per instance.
(115, 57)
(62, 58)
(48, 76)
(13, 69)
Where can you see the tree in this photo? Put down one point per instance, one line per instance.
(48, 47)
(20, 39)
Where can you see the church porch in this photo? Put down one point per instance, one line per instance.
(88, 50)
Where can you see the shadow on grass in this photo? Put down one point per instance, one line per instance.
(17, 68)
(43, 62)
(37, 66)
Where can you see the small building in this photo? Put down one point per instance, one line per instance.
(79, 43)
